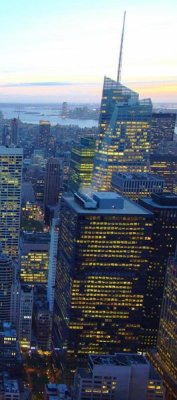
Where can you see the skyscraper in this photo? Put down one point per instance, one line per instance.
(34, 258)
(6, 136)
(6, 280)
(164, 208)
(10, 199)
(14, 131)
(165, 165)
(53, 250)
(100, 283)
(44, 134)
(162, 129)
(123, 139)
(53, 182)
(81, 165)
(166, 357)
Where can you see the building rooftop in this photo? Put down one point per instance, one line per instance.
(11, 150)
(136, 176)
(119, 359)
(11, 386)
(108, 203)
(161, 200)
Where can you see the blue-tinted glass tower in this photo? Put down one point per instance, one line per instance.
(123, 138)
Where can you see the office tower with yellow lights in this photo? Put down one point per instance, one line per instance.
(11, 160)
(164, 208)
(34, 258)
(137, 185)
(81, 165)
(100, 282)
(165, 165)
(165, 359)
(123, 139)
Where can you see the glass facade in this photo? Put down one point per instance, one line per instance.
(10, 199)
(167, 339)
(123, 139)
(81, 166)
(164, 208)
(100, 283)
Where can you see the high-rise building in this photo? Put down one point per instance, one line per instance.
(117, 377)
(165, 165)
(81, 165)
(6, 136)
(10, 199)
(165, 359)
(14, 131)
(162, 129)
(34, 258)
(52, 182)
(6, 280)
(123, 138)
(44, 134)
(24, 321)
(53, 250)
(164, 208)
(100, 283)
(137, 185)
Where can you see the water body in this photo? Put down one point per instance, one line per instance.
(33, 113)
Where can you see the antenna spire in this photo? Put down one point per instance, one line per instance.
(121, 50)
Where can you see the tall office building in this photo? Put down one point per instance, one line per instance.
(53, 250)
(164, 208)
(165, 165)
(14, 131)
(137, 185)
(10, 199)
(6, 280)
(166, 357)
(123, 139)
(6, 135)
(52, 182)
(162, 129)
(44, 134)
(81, 165)
(24, 315)
(103, 259)
(21, 312)
(34, 258)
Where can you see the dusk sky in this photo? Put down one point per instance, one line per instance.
(60, 50)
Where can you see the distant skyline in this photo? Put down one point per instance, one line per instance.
(53, 51)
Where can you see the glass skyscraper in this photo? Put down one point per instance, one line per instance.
(123, 140)
(81, 166)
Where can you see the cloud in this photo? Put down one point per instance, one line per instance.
(37, 84)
